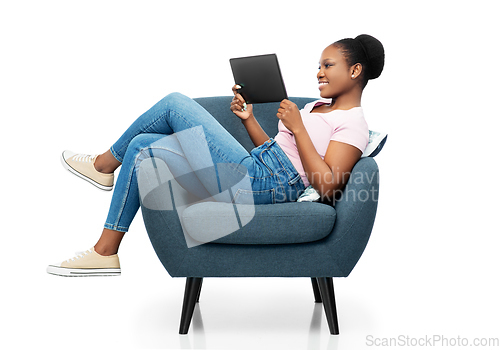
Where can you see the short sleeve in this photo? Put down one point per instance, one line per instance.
(353, 131)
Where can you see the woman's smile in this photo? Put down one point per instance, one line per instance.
(322, 84)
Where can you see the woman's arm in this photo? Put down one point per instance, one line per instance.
(245, 113)
(255, 131)
(327, 175)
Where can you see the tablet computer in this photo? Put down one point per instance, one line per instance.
(259, 77)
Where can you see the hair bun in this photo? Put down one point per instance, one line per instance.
(375, 53)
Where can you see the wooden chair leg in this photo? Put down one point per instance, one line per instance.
(317, 295)
(328, 297)
(191, 294)
(199, 291)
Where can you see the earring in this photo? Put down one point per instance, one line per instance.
(352, 76)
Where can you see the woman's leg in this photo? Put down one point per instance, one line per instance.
(125, 201)
(173, 114)
(200, 142)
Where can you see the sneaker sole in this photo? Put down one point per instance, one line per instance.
(86, 178)
(72, 272)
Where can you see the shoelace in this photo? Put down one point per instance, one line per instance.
(309, 195)
(84, 158)
(79, 255)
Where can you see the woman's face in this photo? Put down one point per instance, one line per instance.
(334, 74)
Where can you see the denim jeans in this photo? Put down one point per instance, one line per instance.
(166, 130)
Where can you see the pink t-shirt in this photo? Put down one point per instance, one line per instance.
(347, 126)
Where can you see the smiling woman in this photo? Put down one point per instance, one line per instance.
(345, 68)
(317, 146)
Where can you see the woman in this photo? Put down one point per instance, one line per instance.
(316, 146)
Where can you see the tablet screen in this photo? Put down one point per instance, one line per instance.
(260, 78)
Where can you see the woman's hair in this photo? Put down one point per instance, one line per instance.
(365, 50)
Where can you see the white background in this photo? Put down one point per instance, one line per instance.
(74, 75)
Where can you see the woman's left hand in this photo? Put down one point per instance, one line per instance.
(289, 115)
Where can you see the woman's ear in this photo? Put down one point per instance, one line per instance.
(356, 70)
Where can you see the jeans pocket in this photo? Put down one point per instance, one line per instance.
(255, 197)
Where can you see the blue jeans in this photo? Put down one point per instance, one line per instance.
(170, 131)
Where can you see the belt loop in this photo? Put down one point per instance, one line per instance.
(270, 142)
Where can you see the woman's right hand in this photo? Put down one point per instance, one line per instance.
(238, 105)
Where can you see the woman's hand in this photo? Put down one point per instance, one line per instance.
(245, 113)
(289, 115)
(238, 105)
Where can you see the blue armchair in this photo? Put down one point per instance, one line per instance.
(276, 240)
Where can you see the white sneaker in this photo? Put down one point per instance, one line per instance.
(88, 263)
(82, 165)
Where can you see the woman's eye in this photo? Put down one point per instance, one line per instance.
(326, 66)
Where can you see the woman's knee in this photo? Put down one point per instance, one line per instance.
(140, 141)
(175, 97)
(140, 145)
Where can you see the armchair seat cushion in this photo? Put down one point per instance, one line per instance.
(282, 223)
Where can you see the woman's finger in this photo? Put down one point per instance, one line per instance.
(237, 103)
(236, 88)
(240, 98)
(236, 106)
(238, 95)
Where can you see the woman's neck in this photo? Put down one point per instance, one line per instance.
(345, 102)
